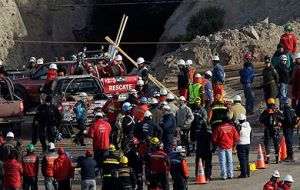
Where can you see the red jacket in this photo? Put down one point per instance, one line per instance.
(225, 136)
(111, 108)
(12, 171)
(289, 42)
(138, 111)
(63, 168)
(99, 132)
(159, 162)
(270, 185)
(284, 186)
(30, 164)
(52, 74)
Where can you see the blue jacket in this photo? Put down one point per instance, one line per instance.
(87, 165)
(218, 74)
(168, 126)
(80, 110)
(247, 73)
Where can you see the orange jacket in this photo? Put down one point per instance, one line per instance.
(138, 111)
(63, 168)
(47, 164)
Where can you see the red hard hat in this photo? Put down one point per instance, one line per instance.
(248, 55)
(134, 141)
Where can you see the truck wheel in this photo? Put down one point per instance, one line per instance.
(17, 129)
(23, 95)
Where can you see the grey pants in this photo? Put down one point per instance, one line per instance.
(50, 183)
(88, 184)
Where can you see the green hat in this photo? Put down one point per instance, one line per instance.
(288, 27)
(30, 148)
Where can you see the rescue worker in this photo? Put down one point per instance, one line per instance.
(295, 80)
(168, 126)
(289, 40)
(120, 64)
(195, 89)
(3, 72)
(12, 171)
(171, 103)
(204, 150)
(7, 147)
(139, 111)
(87, 172)
(284, 80)
(191, 70)
(128, 124)
(49, 119)
(288, 128)
(163, 94)
(217, 113)
(243, 145)
(183, 79)
(236, 109)
(52, 72)
(47, 167)
(185, 118)
(287, 183)
(142, 70)
(225, 137)
(63, 170)
(271, 119)
(159, 168)
(19, 149)
(218, 77)
(80, 110)
(126, 176)
(31, 168)
(179, 169)
(272, 184)
(270, 80)
(109, 172)
(157, 113)
(132, 98)
(208, 95)
(100, 132)
(247, 74)
(156, 95)
(39, 63)
(136, 161)
(276, 58)
(140, 88)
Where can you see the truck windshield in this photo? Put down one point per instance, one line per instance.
(87, 85)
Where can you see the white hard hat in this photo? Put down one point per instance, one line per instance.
(32, 59)
(180, 149)
(237, 98)
(39, 62)
(140, 82)
(53, 66)
(170, 96)
(283, 57)
(118, 57)
(147, 114)
(215, 58)
(83, 94)
(154, 101)
(189, 62)
(10, 135)
(208, 73)
(241, 117)
(276, 173)
(163, 92)
(182, 99)
(156, 94)
(297, 56)
(197, 75)
(132, 91)
(180, 62)
(288, 178)
(166, 107)
(140, 60)
(99, 114)
(51, 146)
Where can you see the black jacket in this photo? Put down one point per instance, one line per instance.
(183, 78)
(283, 73)
(289, 117)
(204, 142)
(87, 165)
(48, 116)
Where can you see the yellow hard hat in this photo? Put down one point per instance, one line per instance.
(124, 160)
(271, 101)
(112, 148)
(198, 100)
(154, 140)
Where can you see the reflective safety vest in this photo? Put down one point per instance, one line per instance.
(49, 165)
(219, 113)
(194, 92)
(110, 166)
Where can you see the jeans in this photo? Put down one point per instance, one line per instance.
(225, 160)
(274, 135)
(50, 184)
(283, 90)
(88, 184)
(249, 96)
(288, 134)
(30, 182)
(180, 183)
(243, 155)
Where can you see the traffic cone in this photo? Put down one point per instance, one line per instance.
(260, 162)
(200, 178)
(282, 149)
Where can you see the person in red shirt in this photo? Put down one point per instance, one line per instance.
(225, 137)
(272, 184)
(139, 111)
(287, 183)
(100, 132)
(289, 40)
(12, 171)
(63, 170)
(52, 72)
(31, 167)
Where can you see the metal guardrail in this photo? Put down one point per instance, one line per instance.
(16, 74)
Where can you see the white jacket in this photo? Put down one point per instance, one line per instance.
(244, 134)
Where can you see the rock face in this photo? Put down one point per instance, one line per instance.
(261, 39)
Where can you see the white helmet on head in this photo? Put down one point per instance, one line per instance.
(241, 117)
(98, 114)
(32, 59)
(163, 92)
(10, 135)
(147, 114)
(154, 101)
(140, 60)
(118, 57)
(297, 56)
(208, 73)
(166, 107)
(237, 98)
(180, 149)
(170, 96)
(83, 94)
(180, 62)
(283, 57)
(39, 62)
(276, 173)
(140, 82)
(156, 94)
(53, 66)
(197, 75)
(288, 178)
(189, 62)
(51, 146)
(182, 99)
(215, 58)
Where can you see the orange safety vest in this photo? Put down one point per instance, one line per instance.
(49, 166)
(192, 73)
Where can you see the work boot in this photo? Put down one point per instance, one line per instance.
(277, 159)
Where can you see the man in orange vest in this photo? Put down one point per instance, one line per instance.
(191, 70)
(47, 167)
(139, 111)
